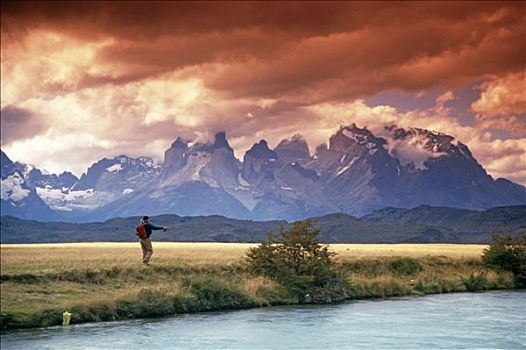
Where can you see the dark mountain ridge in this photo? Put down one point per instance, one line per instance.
(391, 225)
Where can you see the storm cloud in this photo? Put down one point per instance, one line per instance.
(18, 123)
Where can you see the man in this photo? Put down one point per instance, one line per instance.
(144, 231)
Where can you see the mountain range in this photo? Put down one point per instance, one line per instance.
(355, 173)
(423, 224)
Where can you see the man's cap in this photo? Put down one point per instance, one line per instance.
(146, 218)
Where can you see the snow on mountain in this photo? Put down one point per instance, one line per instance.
(17, 197)
(105, 181)
(115, 174)
(12, 188)
(39, 178)
(414, 147)
(65, 199)
(115, 168)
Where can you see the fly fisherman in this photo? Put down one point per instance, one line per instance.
(144, 231)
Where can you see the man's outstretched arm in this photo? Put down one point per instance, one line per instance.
(152, 227)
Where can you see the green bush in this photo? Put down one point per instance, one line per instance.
(275, 295)
(147, 303)
(211, 294)
(433, 287)
(405, 266)
(508, 254)
(333, 292)
(26, 278)
(297, 261)
(475, 282)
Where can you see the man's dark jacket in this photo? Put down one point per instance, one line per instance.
(149, 228)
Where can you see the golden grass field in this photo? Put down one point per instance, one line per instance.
(41, 258)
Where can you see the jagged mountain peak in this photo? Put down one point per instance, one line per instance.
(175, 156)
(261, 150)
(296, 139)
(432, 140)
(115, 174)
(357, 134)
(404, 131)
(122, 161)
(211, 164)
(180, 146)
(220, 142)
(419, 145)
(293, 149)
(4, 160)
(6, 165)
(180, 143)
(352, 139)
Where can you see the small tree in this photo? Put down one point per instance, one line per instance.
(507, 254)
(295, 259)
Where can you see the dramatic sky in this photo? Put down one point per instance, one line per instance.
(82, 81)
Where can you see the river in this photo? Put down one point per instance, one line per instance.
(492, 320)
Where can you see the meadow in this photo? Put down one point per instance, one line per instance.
(106, 281)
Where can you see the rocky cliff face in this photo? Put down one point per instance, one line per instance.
(293, 150)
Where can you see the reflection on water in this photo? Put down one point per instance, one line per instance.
(495, 320)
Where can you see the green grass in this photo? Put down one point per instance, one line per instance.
(108, 282)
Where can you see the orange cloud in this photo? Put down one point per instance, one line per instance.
(305, 52)
(502, 104)
(44, 63)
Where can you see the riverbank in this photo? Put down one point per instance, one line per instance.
(103, 282)
(489, 320)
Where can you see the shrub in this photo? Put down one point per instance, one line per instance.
(475, 282)
(297, 261)
(147, 303)
(508, 254)
(405, 266)
(211, 294)
(26, 278)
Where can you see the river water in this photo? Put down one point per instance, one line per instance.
(492, 320)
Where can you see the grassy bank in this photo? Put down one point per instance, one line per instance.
(105, 281)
